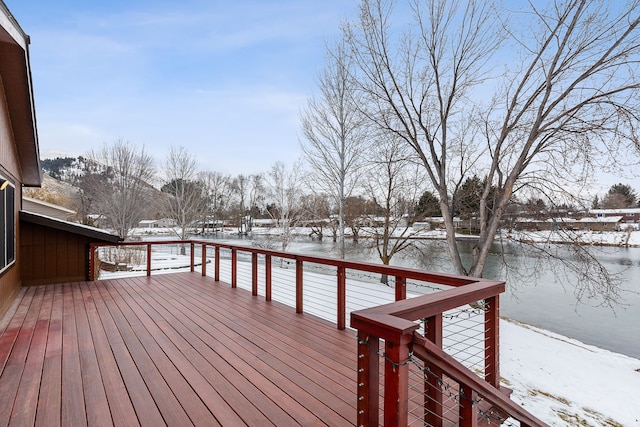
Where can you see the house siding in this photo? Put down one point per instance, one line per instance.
(9, 167)
(52, 256)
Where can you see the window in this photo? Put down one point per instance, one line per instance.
(7, 223)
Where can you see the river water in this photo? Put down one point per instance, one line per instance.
(542, 296)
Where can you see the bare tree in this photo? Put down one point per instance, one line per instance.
(569, 103)
(88, 183)
(122, 194)
(284, 191)
(357, 212)
(334, 129)
(392, 182)
(186, 199)
(248, 190)
(316, 213)
(218, 190)
(256, 194)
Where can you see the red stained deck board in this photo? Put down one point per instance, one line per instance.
(25, 406)
(120, 407)
(176, 349)
(215, 391)
(168, 363)
(323, 411)
(230, 383)
(18, 344)
(72, 407)
(169, 406)
(147, 413)
(306, 367)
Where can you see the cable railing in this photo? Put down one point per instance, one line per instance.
(266, 267)
(405, 377)
(428, 359)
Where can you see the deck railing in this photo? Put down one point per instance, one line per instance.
(439, 352)
(399, 277)
(420, 381)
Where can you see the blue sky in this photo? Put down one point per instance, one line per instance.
(225, 79)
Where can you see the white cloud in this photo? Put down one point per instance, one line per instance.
(224, 79)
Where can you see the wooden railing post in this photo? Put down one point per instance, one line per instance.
(204, 259)
(433, 397)
(299, 272)
(216, 274)
(254, 274)
(444, 376)
(396, 381)
(368, 405)
(148, 259)
(192, 256)
(401, 288)
(267, 277)
(468, 411)
(492, 341)
(342, 298)
(92, 262)
(234, 270)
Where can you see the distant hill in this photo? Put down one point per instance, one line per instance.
(64, 168)
(56, 167)
(63, 184)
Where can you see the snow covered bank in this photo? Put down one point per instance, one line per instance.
(567, 383)
(628, 238)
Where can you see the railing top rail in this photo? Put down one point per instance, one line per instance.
(397, 318)
(408, 273)
(141, 243)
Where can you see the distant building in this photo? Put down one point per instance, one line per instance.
(264, 222)
(434, 223)
(157, 223)
(630, 215)
(610, 223)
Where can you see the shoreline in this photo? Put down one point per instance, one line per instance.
(621, 239)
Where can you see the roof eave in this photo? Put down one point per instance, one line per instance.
(15, 72)
(58, 224)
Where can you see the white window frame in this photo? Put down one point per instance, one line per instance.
(7, 225)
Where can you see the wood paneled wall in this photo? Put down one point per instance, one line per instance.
(52, 256)
(9, 167)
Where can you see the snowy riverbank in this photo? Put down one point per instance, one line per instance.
(627, 238)
(568, 383)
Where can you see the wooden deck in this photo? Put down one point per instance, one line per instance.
(175, 349)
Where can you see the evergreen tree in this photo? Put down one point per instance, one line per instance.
(428, 205)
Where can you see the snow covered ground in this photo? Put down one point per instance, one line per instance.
(560, 380)
(566, 382)
(608, 238)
